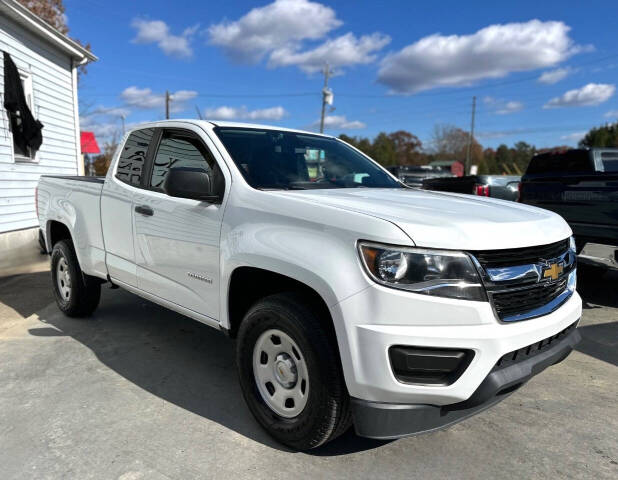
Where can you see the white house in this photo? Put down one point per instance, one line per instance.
(47, 62)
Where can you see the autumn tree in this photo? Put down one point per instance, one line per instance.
(451, 143)
(407, 147)
(52, 11)
(101, 162)
(396, 148)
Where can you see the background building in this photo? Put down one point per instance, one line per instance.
(47, 62)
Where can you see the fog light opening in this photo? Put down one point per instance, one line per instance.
(429, 366)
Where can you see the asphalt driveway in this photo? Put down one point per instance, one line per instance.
(139, 392)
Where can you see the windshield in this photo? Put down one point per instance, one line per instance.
(273, 159)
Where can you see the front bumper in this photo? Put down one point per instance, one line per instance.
(392, 420)
(377, 318)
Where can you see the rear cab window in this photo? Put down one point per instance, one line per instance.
(133, 157)
(569, 162)
(609, 161)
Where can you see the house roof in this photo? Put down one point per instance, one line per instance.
(24, 17)
(89, 143)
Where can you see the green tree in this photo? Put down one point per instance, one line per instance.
(605, 136)
(362, 143)
(488, 163)
(522, 153)
(504, 157)
(383, 149)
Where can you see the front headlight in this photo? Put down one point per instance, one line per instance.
(441, 273)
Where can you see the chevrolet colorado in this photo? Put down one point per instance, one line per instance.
(353, 299)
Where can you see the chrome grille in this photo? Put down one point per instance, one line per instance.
(520, 256)
(518, 301)
(524, 283)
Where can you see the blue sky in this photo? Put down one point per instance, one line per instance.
(543, 72)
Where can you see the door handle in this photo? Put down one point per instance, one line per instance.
(144, 210)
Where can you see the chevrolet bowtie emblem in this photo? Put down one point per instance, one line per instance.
(553, 271)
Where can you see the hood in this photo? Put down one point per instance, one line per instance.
(448, 220)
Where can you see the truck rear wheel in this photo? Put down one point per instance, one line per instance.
(77, 294)
(290, 373)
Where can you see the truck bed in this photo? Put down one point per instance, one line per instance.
(75, 201)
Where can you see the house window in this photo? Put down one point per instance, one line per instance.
(21, 151)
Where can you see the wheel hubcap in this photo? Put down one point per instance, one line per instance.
(285, 371)
(281, 373)
(63, 279)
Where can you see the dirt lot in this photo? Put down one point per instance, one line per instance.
(139, 392)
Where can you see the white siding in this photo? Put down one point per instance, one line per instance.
(53, 105)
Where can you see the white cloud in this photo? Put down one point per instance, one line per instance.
(461, 60)
(242, 113)
(503, 107)
(589, 95)
(103, 130)
(279, 31)
(333, 122)
(157, 31)
(554, 76)
(339, 52)
(611, 114)
(510, 107)
(144, 98)
(273, 26)
(573, 137)
(105, 122)
(111, 111)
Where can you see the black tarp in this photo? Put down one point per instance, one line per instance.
(26, 128)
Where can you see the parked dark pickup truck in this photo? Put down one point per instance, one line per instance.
(582, 186)
(496, 186)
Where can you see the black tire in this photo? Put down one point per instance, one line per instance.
(326, 414)
(85, 291)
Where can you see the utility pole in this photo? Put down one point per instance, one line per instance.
(327, 96)
(122, 119)
(467, 169)
(167, 104)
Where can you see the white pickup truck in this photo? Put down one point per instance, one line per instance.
(353, 298)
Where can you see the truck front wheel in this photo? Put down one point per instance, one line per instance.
(290, 373)
(77, 294)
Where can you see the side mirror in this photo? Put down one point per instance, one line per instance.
(187, 182)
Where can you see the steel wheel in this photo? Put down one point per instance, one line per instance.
(281, 373)
(63, 279)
